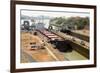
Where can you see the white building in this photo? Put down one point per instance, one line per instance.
(42, 23)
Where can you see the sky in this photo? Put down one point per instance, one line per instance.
(66, 14)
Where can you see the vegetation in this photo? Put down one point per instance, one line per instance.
(71, 22)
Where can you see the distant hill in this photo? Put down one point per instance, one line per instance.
(35, 17)
(25, 17)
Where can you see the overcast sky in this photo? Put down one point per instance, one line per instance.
(54, 13)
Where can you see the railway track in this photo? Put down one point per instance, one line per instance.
(50, 35)
(77, 34)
